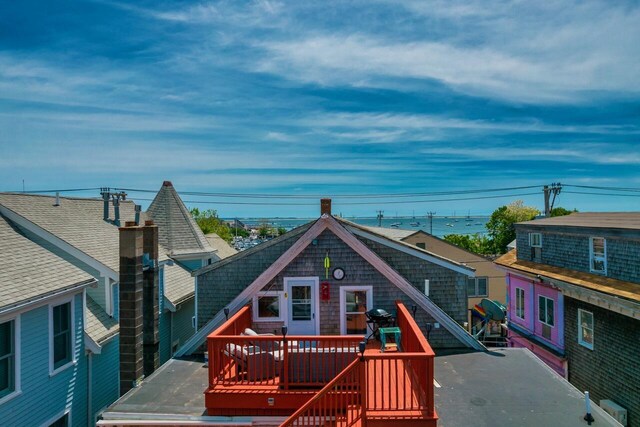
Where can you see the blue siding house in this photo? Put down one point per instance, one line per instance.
(82, 235)
(43, 366)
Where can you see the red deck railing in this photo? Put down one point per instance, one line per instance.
(390, 385)
(297, 361)
(338, 403)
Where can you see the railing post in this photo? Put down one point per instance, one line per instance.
(429, 387)
(363, 391)
(285, 364)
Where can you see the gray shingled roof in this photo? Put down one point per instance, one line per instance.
(77, 221)
(178, 231)
(179, 284)
(100, 326)
(624, 220)
(28, 271)
(222, 248)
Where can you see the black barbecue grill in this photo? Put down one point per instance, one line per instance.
(378, 318)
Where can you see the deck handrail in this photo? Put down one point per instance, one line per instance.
(331, 402)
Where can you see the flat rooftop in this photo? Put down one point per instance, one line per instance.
(502, 387)
(507, 386)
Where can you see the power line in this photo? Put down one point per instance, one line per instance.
(336, 196)
(602, 194)
(350, 204)
(595, 187)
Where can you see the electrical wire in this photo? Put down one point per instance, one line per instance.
(337, 196)
(350, 204)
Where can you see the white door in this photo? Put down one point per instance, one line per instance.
(302, 302)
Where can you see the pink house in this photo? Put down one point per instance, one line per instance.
(536, 319)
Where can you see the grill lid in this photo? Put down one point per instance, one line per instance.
(377, 313)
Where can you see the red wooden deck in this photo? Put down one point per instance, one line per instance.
(321, 378)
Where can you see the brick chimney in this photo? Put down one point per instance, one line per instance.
(325, 206)
(131, 297)
(150, 304)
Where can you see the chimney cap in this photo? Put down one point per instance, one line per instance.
(130, 224)
(167, 184)
(148, 222)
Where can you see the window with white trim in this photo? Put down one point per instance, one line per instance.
(268, 306)
(61, 335)
(545, 310)
(477, 287)
(598, 255)
(520, 303)
(7, 358)
(585, 328)
(355, 301)
(535, 240)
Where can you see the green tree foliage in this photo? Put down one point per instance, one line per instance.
(561, 211)
(209, 222)
(500, 226)
(281, 231)
(239, 231)
(477, 243)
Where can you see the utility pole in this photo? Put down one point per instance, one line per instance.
(430, 215)
(380, 216)
(555, 188)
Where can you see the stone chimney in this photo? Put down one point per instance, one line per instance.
(325, 206)
(131, 297)
(150, 303)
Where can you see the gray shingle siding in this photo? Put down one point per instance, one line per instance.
(612, 369)
(566, 248)
(219, 286)
(447, 287)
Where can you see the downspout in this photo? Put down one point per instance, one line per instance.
(171, 334)
(90, 418)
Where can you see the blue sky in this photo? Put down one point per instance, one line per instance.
(359, 97)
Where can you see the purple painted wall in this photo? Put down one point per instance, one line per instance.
(531, 320)
(527, 285)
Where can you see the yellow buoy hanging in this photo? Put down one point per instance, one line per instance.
(327, 265)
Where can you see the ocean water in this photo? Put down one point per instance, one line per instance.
(441, 225)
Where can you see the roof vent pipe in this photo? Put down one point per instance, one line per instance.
(105, 193)
(116, 210)
(138, 208)
(57, 203)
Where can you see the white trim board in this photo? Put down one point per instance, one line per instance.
(327, 222)
(46, 299)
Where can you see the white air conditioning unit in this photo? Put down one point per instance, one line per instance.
(615, 410)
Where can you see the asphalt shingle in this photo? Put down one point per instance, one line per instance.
(29, 271)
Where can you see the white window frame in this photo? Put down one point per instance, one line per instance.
(343, 311)
(594, 257)
(532, 240)
(17, 389)
(523, 308)
(475, 280)
(53, 371)
(546, 312)
(281, 304)
(580, 341)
